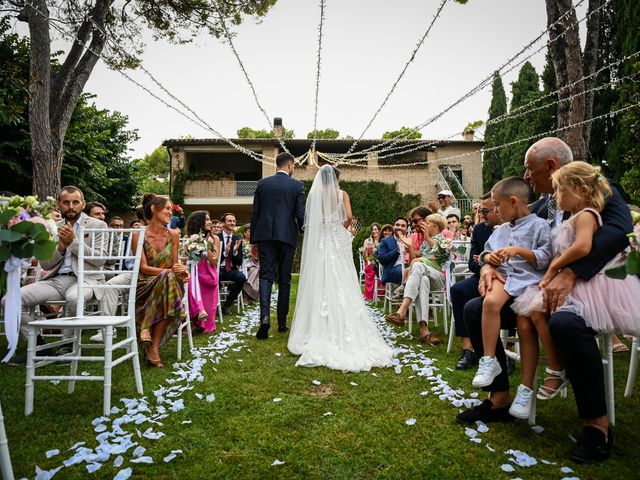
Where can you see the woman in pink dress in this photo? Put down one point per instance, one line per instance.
(203, 301)
(369, 254)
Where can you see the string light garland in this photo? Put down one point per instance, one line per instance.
(318, 63)
(395, 84)
(488, 80)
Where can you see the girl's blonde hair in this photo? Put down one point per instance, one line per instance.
(437, 220)
(577, 175)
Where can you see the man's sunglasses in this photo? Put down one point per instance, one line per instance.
(483, 211)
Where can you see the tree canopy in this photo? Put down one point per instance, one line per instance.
(326, 134)
(404, 132)
(248, 132)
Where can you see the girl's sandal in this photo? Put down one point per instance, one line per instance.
(430, 339)
(547, 393)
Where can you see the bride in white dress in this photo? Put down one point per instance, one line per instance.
(331, 326)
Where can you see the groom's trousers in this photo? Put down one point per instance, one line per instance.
(276, 261)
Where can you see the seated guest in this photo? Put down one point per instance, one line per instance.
(521, 251)
(453, 225)
(391, 253)
(135, 224)
(116, 222)
(159, 308)
(477, 217)
(386, 231)
(61, 281)
(425, 275)
(252, 285)
(467, 219)
(217, 227)
(96, 210)
(445, 198)
(369, 255)
(178, 220)
(203, 301)
(573, 338)
(464, 290)
(231, 260)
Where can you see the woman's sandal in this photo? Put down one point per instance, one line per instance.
(152, 363)
(145, 338)
(547, 393)
(619, 348)
(430, 339)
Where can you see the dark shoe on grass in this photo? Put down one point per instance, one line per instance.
(226, 310)
(592, 446)
(467, 360)
(484, 413)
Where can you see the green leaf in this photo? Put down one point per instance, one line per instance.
(9, 235)
(619, 272)
(5, 252)
(7, 215)
(633, 263)
(23, 227)
(44, 251)
(22, 250)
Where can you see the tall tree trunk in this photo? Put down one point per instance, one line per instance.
(53, 97)
(570, 66)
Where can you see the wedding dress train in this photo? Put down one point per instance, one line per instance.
(331, 326)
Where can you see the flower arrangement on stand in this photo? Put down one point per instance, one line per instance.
(27, 231)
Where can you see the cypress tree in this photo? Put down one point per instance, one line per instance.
(494, 134)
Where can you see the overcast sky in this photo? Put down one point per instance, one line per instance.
(365, 46)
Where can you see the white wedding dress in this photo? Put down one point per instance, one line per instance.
(331, 326)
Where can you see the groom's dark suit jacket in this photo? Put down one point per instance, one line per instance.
(278, 210)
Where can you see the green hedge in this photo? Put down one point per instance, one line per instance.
(370, 202)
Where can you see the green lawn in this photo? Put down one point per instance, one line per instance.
(242, 432)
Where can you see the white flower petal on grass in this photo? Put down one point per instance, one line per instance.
(52, 453)
(424, 394)
(353, 383)
(505, 467)
(46, 474)
(55, 382)
(277, 400)
(547, 462)
(470, 432)
(374, 374)
(277, 462)
(85, 374)
(327, 414)
(489, 448)
(169, 457)
(145, 459)
(186, 422)
(410, 422)
(566, 470)
(139, 451)
(199, 396)
(476, 440)
(538, 428)
(211, 398)
(398, 369)
(101, 427)
(123, 474)
(93, 467)
(482, 427)
(570, 478)
(278, 354)
(316, 382)
(521, 459)
(79, 444)
(118, 461)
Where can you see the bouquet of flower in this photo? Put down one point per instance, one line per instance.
(631, 265)
(27, 228)
(441, 252)
(196, 247)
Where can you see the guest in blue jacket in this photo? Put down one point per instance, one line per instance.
(389, 253)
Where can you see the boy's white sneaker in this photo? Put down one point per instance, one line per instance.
(488, 370)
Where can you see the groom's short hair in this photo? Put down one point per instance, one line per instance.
(283, 158)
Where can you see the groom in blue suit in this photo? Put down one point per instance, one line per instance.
(389, 253)
(278, 216)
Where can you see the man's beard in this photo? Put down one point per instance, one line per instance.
(70, 215)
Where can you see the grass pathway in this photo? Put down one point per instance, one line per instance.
(238, 406)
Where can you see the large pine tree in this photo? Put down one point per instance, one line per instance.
(494, 134)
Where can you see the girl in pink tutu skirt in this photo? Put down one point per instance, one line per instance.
(606, 304)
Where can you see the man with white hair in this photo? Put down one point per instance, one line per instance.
(445, 198)
(574, 340)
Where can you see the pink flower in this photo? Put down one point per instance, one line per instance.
(447, 234)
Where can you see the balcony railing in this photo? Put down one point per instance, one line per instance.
(220, 188)
(246, 188)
